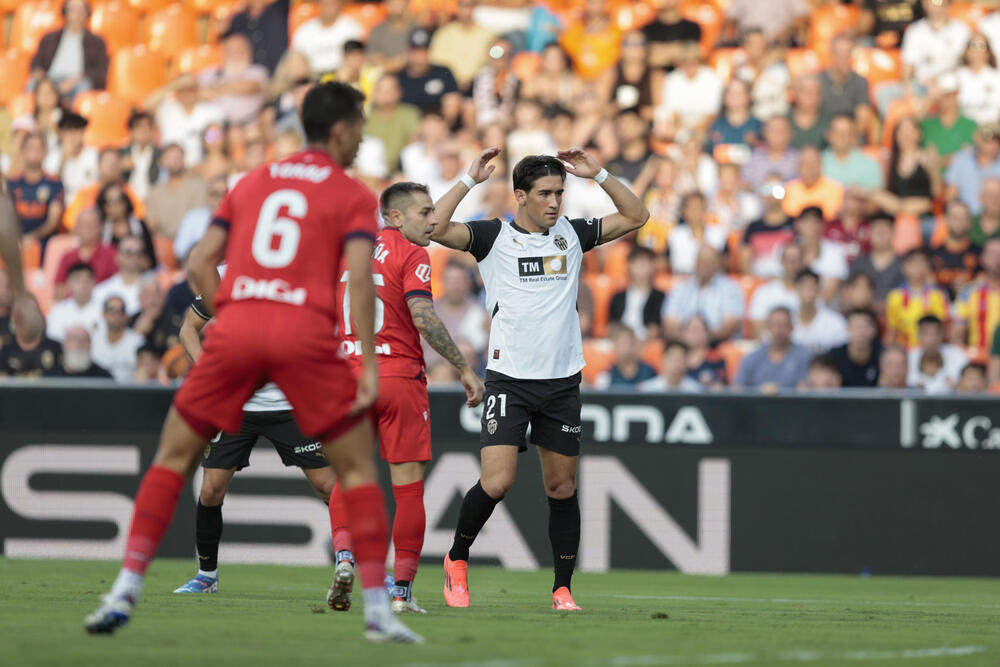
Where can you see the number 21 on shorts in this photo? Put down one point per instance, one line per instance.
(491, 404)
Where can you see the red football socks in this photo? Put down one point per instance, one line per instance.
(151, 516)
(408, 529)
(339, 521)
(369, 531)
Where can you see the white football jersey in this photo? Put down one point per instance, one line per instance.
(531, 288)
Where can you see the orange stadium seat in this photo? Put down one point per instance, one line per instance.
(136, 72)
(31, 21)
(877, 65)
(107, 116)
(117, 22)
(8, 7)
(969, 12)
(21, 104)
(14, 65)
(708, 17)
(367, 14)
(171, 30)
(526, 64)
(725, 62)
(602, 288)
(732, 353)
(803, 61)
(301, 13)
(31, 255)
(906, 233)
(201, 7)
(164, 248)
(149, 6)
(633, 15)
(599, 355)
(194, 59)
(664, 281)
(652, 352)
(828, 21)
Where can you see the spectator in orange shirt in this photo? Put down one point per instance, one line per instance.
(109, 170)
(593, 42)
(812, 188)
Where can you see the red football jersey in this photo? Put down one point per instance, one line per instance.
(401, 270)
(288, 222)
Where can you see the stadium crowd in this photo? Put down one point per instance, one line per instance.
(823, 177)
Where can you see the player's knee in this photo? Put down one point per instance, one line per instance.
(212, 495)
(497, 486)
(324, 488)
(560, 489)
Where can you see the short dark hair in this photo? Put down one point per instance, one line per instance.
(397, 191)
(973, 366)
(804, 274)
(781, 309)
(670, 344)
(530, 169)
(327, 104)
(641, 251)
(825, 361)
(102, 199)
(80, 266)
(810, 212)
(917, 252)
(354, 45)
(863, 312)
(137, 117)
(857, 276)
(929, 319)
(882, 216)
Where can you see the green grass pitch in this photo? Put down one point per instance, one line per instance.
(269, 615)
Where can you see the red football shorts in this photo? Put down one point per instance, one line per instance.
(403, 418)
(253, 343)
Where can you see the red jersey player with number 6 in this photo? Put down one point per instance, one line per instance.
(403, 312)
(283, 231)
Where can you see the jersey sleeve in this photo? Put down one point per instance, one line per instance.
(361, 218)
(482, 235)
(417, 275)
(223, 216)
(588, 230)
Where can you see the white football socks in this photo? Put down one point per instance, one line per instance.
(127, 584)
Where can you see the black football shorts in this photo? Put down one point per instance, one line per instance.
(552, 407)
(232, 450)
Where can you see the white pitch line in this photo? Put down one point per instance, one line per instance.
(889, 603)
(738, 658)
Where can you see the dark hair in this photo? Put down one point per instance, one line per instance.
(863, 312)
(675, 343)
(806, 273)
(781, 309)
(353, 45)
(640, 251)
(917, 252)
(533, 167)
(137, 117)
(842, 116)
(825, 361)
(855, 276)
(66, 2)
(102, 200)
(893, 184)
(990, 62)
(973, 366)
(811, 212)
(149, 347)
(929, 319)
(80, 266)
(392, 194)
(327, 104)
(881, 216)
(629, 111)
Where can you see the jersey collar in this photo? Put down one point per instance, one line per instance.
(521, 229)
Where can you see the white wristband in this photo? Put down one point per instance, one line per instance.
(469, 181)
(601, 176)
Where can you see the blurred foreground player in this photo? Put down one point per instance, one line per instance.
(283, 231)
(26, 316)
(267, 414)
(401, 268)
(531, 269)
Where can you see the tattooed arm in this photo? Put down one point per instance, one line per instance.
(434, 332)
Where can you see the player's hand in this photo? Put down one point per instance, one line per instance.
(480, 170)
(473, 387)
(367, 390)
(579, 162)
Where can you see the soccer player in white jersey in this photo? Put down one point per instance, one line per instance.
(531, 268)
(267, 414)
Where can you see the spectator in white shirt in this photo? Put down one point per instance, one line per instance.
(322, 39)
(827, 259)
(673, 372)
(79, 309)
(125, 283)
(817, 328)
(979, 82)
(692, 93)
(777, 292)
(931, 47)
(79, 162)
(930, 339)
(141, 158)
(238, 86)
(708, 293)
(114, 345)
(693, 232)
(182, 118)
(419, 158)
(196, 221)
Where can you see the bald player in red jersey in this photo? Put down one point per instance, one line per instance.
(404, 311)
(283, 231)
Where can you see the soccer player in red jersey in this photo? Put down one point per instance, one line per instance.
(404, 311)
(283, 231)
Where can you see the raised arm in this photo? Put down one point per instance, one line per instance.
(455, 235)
(631, 212)
(436, 334)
